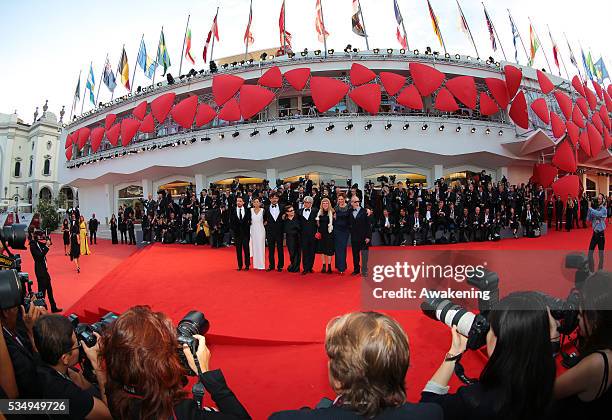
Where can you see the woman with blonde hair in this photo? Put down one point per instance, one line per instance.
(83, 234)
(325, 234)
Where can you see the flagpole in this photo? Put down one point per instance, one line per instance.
(184, 41)
(543, 49)
(246, 51)
(468, 28)
(404, 28)
(364, 25)
(136, 64)
(212, 48)
(100, 85)
(157, 56)
(83, 101)
(519, 34)
(324, 30)
(559, 54)
(495, 31)
(284, 30)
(73, 99)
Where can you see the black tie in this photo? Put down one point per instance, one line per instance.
(240, 211)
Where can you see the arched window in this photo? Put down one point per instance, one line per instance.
(45, 194)
(17, 168)
(47, 167)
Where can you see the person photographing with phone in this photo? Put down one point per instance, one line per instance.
(597, 217)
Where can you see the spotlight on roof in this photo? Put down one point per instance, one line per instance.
(388, 125)
(305, 52)
(205, 138)
(291, 54)
(403, 51)
(406, 126)
(389, 50)
(428, 50)
(290, 129)
(457, 56)
(193, 140)
(309, 128)
(368, 126)
(174, 144)
(254, 133)
(317, 52)
(458, 129)
(263, 56)
(221, 136)
(473, 130)
(348, 48)
(170, 79)
(424, 127)
(355, 50)
(441, 128)
(501, 132)
(330, 127)
(274, 130)
(376, 50)
(235, 134)
(349, 126)
(488, 131)
(416, 52)
(250, 61)
(330, 51)
(242, 62)
(447, 55)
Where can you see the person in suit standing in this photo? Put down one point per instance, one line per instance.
(308, 223)
(240, 223)
(569, 213)
(273, 218)
(292, 228)
(38, 249)
(93, 229)
(559, 213)
(361, 236)
(130, 228)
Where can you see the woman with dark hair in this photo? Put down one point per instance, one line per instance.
(292, 230)
(584, 391)
(66, 236)
(113, 229)
(75, 242)
(342, 222)
(517, 381)
(368, 359)
(145, 377)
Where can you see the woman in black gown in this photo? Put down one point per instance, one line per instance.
(66, 236)
(113, 228)
(325, 234)
(292, 230)
(75, 242)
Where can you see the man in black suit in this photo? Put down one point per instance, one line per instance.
(39, 249)
(240, 222)
(308, 224)
(308, 185)
(416, 228)
(361, 236)
(559, 213)
(273, 218)
(386, 227)
(93, 229)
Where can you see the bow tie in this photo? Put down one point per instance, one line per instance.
(273, 206)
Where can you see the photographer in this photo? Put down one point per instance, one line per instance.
(585, 389)
(145, 377)
(39, 249)
(597, 217)
(8, 384)
(368, 359)
(517, 381)
(58, 348)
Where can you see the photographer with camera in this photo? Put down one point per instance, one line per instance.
(368, 356)
(59, 348)
(585, 390)
(39, 250)
(517, 381)
(597, 216)
(145, 375)
(8, 383)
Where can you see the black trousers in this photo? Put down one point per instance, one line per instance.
(293, 246)
(44, 286)
(123, 236)
(597, 240)
(132, 237)
(92, 237)
(309, 246)
(360, 257)
(216, 238)
(559, 220)
(275, 242)
(242, 247)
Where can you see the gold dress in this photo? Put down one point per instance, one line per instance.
(84, 242)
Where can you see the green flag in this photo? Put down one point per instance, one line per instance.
(163, 58)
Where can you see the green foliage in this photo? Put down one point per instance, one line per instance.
(49, 216)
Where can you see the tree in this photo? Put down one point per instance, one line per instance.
(49, 216)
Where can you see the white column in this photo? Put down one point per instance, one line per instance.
(147, 188)
(357, 176)
(110, 203)
(201, 182)
(271, 175)
(502, 171)
(438, 172)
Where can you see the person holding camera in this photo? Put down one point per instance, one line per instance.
(585, 390)
(145, 377)
(8, 383)
(597, 217)
(368, 356)
(517, 381)
(58, 349)
(39, 249)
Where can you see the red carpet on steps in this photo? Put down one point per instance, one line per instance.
(267, 329)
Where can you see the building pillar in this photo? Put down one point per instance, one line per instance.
(201, 182)
(502, 171)
(147, 188)
(271, 176)
(109, 190)
(438, 172)
(357, 176)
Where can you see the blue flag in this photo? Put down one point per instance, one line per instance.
(142, 56)
(602, 72)
(586, 66)
(91, 85)
(108, 77)
(515, 36)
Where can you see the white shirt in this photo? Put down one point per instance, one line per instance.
(306, 213)
(387, 224)
(274, 211)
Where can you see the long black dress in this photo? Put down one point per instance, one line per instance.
(66, 234)
(325, 245)
(292, 230)
(113, 228)
(75, 248)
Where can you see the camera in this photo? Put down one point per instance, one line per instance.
(382, 179)
(36, 299)
(14, 236)
(193, 323)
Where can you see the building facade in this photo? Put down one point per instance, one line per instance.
(269, 120)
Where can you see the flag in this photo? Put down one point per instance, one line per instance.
(214, 31)
(141, 60)
(591, 65)
(124, 70)
(77, 93)
(163, 58)
(555, 51)
(534, 44)
(151, 67)
(602, 72)
(490, 28)
(108, 76)
(434, 23)
(188, 46)
(91, 84)
(285, 37)
(322, 33)
(515, 36)
(248, 36)
(572, 57)
(402, 39)
(358, 28)
(586, 66)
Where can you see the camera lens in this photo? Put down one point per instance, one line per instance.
(193, 323)
(12, 290)
(15, 235)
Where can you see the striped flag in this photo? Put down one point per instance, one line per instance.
(77, 93)
(91, 84)
(572, 56)
(163, 58)
(555, 51)
(515, 36)
(402, 39)
(108, 76)
(490, 28)
(285, 36)
(248, 35)
(124, 70)
(322, 33)
(534, 45)
(214, 31)
(586, 65)
(358, 28)
(434, 24)
(188, 46)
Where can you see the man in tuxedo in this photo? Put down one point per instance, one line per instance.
(240, 222)
(308, 185)
(93, 229)
(559, 213)
(39, 250)
(387, 227)
(308, 224)
(361, 236)
(416, 228)
(273, 218)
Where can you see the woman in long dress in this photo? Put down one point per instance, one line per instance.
(325, 234)
(75, 243)
(258, 236)
(342, 223)
(113, 228)
(66, 236)
(83, 236)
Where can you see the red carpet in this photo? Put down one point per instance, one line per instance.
(267, 329)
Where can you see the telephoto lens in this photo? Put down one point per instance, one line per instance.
(12, 289)
(194, 323)
(15, 235)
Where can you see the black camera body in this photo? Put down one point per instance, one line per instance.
(193, 323)
(36, 299)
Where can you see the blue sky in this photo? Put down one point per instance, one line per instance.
(45, 44)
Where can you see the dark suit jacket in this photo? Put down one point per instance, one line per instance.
(273, 227)
(309, 227)
(39, 251)
(241, 228)
(405, 411)
(24, 363)
(360, 228)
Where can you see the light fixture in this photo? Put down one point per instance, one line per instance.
(376, 50)
(274, 130)
(458, 129)
(457, 56)
(388, 125)
(349, 126)
(309, 128)
(305, 52)
(330, 51)
(473, 130)
(488, 131)
(368, 126)
(501, 132)
(403, 51)
(389, 50)
(221, 136)
(254, 133)
(424, 127)
(447, 55)
(428, 50)
(205, 138)
(290, 129)
(441, 128)
(193, 140)
(317, 52)
(330, 127)
(416, 52)
(235, 134)
(406, 126)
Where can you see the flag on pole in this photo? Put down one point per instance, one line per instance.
(358, 28)
(146, 63)
(534, 45)
(319, 26)
(124, 70)
(463, 24)
(555, 50)
(515, 36)
(285, 36)
(434, 24)
(401, 37)
(108, 76)
(77, 94)
(214, 31)
(586, 66)
(490, 28)
(188, 46)
(248, 35)
(572, 56)
(602, 71)
(91, 84)
(591, 65)
(163, 58)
